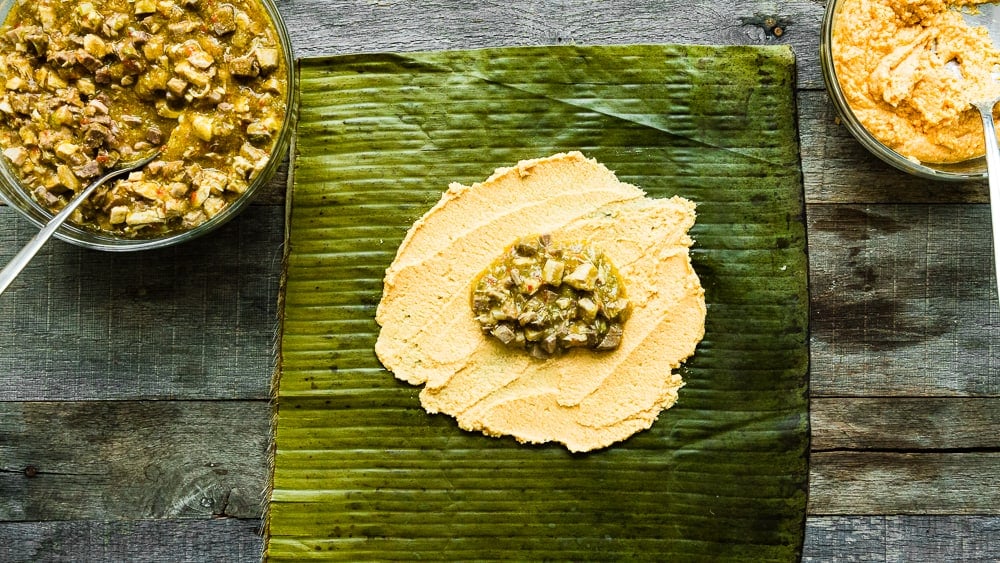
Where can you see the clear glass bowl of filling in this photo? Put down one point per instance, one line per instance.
(971, 169)
(277, 64)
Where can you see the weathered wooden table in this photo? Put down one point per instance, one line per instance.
(134, 417)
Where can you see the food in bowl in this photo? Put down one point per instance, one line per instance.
(88, 85)
(909, 70)
(583, 398)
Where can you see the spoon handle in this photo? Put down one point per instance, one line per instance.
(21, 259)
(993, 172)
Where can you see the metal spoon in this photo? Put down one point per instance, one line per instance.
(21, 259)
(993, 173)
(986, 15)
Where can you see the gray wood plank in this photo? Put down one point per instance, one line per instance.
(900, 423)
(150, 541)
(903, 301)
(113, 460)
(359, 26)
(935, 483)
(196, 320)
(845, 539)
(901, 539)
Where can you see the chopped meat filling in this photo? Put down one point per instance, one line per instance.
(85, 86)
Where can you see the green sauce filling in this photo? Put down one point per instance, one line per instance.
(546, 298)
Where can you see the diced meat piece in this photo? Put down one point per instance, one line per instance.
(27, 135)
(131, 119)
(47, 16)
(202, 126)
(258, 132)
(145, 7)
(214, 96)
(62, 59)
(148, 190)
(153, 48)
(245, 67)
(14, 83)
(66, 177)
(88, 61)
(257, 156)
(94, 45)
(215, 180)
(113, 25)
(237, 185)
(103, 75)
(139, 37)
(66, 151)
(201, 59)
(176, 86)
(175, 207)
(154, 135)
(90, 169)
(95, 135)
(173, 169)
(193, 218)
(63, 115)
(213, 206)
(16, 155)
(177, 189)
(90, 19)
(199, 196)
(118, 214)
(133, 65)
(100, 108)
(181, 28)
(144, 217)
(193, 75)
(267, 58)
(242, 166)
(612, 339)
(223, 20)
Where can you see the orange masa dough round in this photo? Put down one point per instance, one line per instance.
(584, 400)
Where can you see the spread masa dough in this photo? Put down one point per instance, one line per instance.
(582, 399)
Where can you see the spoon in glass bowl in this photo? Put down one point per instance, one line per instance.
(21, 259)
(987, 15)
(985, 108)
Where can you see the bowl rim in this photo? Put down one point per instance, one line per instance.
(858, 131)
(27, 207)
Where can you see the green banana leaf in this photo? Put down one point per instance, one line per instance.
(362, 472)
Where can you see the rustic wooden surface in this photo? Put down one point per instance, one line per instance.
(133, 388)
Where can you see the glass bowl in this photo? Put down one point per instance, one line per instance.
(18, 197)
(973, 169)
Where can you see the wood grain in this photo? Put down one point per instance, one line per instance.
(903, 539)
(150, 541)
(322, 28)
(905, 424)
(936, 483)
(903, 301)
(114, 460)
(194, 321)
(911, 539)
